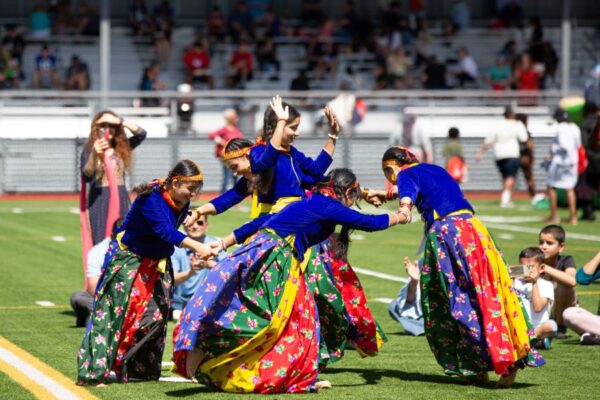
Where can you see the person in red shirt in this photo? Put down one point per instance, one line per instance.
(197, 64)
(527, 77)
(221, 137)
(241, 64)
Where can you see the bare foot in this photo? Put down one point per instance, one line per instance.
(322, 384)
(192, 361)
(101, 385)
(480, 379)
(506, 381)
(552, 219)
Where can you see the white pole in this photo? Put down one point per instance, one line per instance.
(565, 48)
(104, 53)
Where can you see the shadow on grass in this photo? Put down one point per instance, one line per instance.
(190, 391)
(374, 376)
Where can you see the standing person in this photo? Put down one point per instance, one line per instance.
(564, 159)
(221, 137)
(127, 331)
(188, 268)
(504, 139)
(526, 159)
(455, 156)
(590, 180)
(260, 330)
(474, 322)
(412, 135)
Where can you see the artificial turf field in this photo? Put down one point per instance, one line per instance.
(40, 259)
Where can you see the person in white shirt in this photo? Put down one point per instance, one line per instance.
(564, 162)
(504, 140)
(537, 295)
(467, 67)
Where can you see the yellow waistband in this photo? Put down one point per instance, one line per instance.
(264, 208)
(462, 211)
(161, 265)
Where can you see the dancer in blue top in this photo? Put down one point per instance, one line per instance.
(128, 324)
(255, 327)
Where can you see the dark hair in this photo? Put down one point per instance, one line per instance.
(115, 228)
(270, 121)
(119, 140)
(508, 112)
(522, 117)
(400, 154)
(183, 168)
(260, 182)
(337, 182)
(532, 252)
(556, 231)
(453, 133)
(340, 243)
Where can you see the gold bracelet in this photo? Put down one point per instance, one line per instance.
(364, 193)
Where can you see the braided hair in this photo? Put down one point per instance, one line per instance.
(399, 154)
(184, 168)
(270, 121)
(260, 182)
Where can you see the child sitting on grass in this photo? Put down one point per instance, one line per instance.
(537, 296)
(561, 270)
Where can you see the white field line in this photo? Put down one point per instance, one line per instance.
(381, 275)
(524, 229)
(43, 380)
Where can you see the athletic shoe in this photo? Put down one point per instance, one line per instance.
(588, 339)
(561, 333)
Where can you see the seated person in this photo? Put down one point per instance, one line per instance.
(77, 76)
(560, 270)
(45, 75)
(197, 63)
(241, 65)
(406, 308)
(189, 269)
(579, 319)
(537, 296)
(81, 301)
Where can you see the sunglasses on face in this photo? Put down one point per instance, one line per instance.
(200, 222)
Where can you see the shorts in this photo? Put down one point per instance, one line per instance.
(508, 166)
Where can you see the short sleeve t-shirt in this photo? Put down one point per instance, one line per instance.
(565, 262)
(524, 291)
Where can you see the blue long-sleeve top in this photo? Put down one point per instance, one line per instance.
(292, 173)
(151, 226)
(585, 279)
(312, 220)
(431, 189)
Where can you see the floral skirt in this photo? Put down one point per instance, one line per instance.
(128, 325)
(474, 321)
(255, 321)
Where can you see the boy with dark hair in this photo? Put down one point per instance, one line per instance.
(537, 295)
(561, 270)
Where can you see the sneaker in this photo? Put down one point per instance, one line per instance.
(587, 339)
(546, 343)
(561, 333)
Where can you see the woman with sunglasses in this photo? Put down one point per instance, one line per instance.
(128, 324)
(474, 321)
(254, 326)
(105, 160)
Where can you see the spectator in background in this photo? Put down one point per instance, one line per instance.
(398, 65)
(348, 24)
(591, 89)
(216, 24)
(139, 18)
(411, 134)
(45, 75)
(64, 21)
(311, 14)
(82, 301)
(266, 55)
(406, 308)
(579, 319)
(39, 22)
(163, 27)
(434, 74)
(241, 23)
(510, 12)
(188, 268)
(197, 63)
(241, 65)
(300, 82)
(221, 137)
(562, 170)
(89, 21)
(14, 42)
(504, 138)
(590, 179)
(77, 76)
(455, 156)
(9, 70)
(467, 68)
(151, 83)
(461, 15)
(526, 78)
(274, 25)
(499, 76)
(526, 158)
(258, 9)
(509, 52)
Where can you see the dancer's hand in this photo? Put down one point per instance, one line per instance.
(277, 107)
(375, 198)
(197, 263)
(192, 217)
(334, 126)
(412, 269)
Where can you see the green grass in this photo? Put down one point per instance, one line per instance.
(34, 267)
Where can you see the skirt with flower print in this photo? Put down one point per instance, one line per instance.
(254, 320)
(127, 328)
(474, 321)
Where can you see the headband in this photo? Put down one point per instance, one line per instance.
(230, 155)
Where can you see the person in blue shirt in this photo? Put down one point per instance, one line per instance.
(579, 319)
(126, 332)
(474, 321)
(189, 268)
(255, 327)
